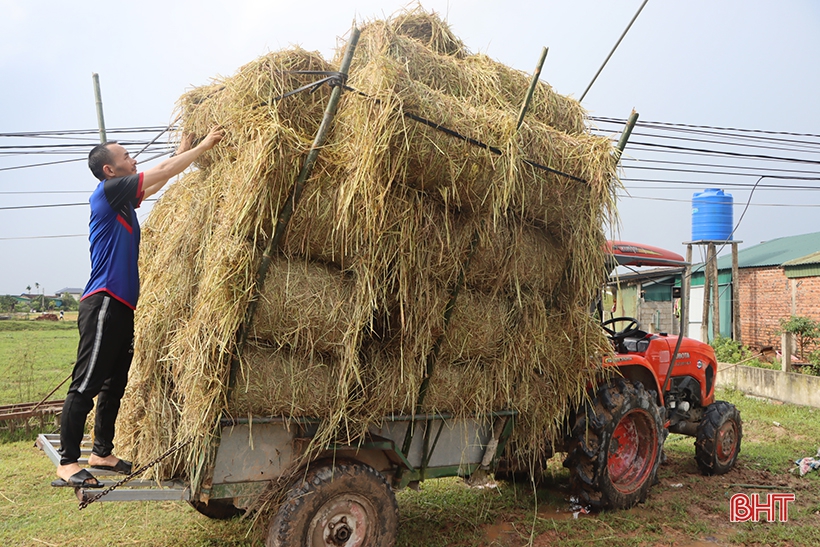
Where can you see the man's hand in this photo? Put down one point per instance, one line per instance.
(156, 177)
(212, 138)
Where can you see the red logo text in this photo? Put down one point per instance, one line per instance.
(744, 508)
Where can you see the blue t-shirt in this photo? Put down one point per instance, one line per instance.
(114, 237)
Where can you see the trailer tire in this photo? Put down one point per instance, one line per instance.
(615, 446)
(718, 438)
(345, 504)
(216, 509)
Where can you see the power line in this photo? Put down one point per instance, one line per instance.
(728, 184)
(33, 192)
(633, 161)
(42, 237)
(622, 121)
(40, 164)
(737, 204)
(54, 205)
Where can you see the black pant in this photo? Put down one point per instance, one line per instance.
(103, 359)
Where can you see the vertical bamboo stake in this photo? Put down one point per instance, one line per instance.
(531, 90)
(290, 204)
(98, 99)
(432, 357)
(715, 293)
(627, 132)
(201, 489)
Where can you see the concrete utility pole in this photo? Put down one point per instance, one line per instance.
(686, 283)
(98, 98)
(735, 295)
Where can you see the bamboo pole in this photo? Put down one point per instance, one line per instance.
(289, 206)
(531, 90)
(98, 100)
(432, 357)
(627, 132)
(201, 489)
(584, 94)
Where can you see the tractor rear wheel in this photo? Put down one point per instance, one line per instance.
(615, 448)
(344, 504)
(718, 438)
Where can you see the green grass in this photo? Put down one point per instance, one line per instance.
(684, 508)
(35, 356)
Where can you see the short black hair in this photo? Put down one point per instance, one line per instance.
(99, 156)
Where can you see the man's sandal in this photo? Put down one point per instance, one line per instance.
(80, 479)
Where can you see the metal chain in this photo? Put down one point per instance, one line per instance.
(86, 502)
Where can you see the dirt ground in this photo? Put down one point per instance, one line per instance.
(684, 509)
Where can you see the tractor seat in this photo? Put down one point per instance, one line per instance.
(636, 344)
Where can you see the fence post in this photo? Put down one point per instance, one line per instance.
(786, 342)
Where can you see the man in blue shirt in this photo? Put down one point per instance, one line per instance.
(106, 317)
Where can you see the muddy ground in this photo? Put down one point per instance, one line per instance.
(684, 508)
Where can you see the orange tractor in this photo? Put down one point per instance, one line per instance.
(663, 384)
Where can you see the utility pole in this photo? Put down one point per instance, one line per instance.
(98, 98)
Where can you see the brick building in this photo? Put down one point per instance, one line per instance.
(776, 279)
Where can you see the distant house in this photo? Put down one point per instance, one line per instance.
(73, 291)
(776, 279)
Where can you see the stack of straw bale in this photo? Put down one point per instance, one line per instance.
(353, 307)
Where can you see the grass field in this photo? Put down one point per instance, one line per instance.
(35, 356)
(685, 509)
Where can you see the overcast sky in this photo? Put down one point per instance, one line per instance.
(748, 64)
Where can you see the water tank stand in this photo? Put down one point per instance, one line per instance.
(711, 293)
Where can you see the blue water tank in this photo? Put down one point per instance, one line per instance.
(712, 215)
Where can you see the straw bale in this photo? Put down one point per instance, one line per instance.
(475, 78)
(283, 382)
(428, 30)
(306, 307)
(466, 176)
(465, 387)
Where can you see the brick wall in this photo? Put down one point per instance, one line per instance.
(767, 296)
(646, 317)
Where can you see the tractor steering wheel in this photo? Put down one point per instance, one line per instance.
(632, 328)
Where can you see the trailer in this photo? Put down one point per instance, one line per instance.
(343, 495)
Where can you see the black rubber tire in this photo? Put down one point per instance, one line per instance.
(605, 472)
(216, 509)
(349, 500)
(718, 438)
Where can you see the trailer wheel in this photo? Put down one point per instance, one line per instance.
(615, 448)
(348, 504)
(718, 438)
(216, 509)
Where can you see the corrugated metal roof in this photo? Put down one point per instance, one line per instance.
(773, 253)
(813, 258)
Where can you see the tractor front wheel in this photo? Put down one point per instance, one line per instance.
(718, 438)
(615, 448)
